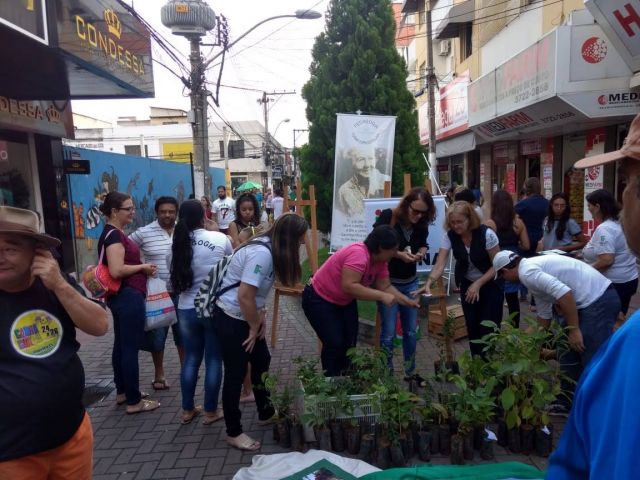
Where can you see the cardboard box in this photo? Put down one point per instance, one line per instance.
(436, 321)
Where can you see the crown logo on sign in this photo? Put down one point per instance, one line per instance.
(53, 114)
(113, 23)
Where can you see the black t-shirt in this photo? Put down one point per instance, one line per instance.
(416, 238)
(41, 375)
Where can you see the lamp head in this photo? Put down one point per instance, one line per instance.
(307, 14)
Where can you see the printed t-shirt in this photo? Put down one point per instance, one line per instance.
(154, 243)
(550, 239)
(549, 277)
(278, 206)
(41, 375)
(473, 273)
(225, 211)
(208, 249)
(252, 265)
(138, 280)
(327, 281)
(609, 238)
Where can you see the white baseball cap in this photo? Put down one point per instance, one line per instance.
(502, 259)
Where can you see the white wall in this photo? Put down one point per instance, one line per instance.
(515, 37)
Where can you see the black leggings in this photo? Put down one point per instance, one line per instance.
(488, 307)
(513, 303)
(625, 291)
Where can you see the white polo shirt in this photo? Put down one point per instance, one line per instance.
(609, 238)
(225, 211)
(155, 243)
(550, 277)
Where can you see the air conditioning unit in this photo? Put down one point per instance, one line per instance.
(445, 47)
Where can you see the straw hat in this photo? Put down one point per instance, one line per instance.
(26, 223)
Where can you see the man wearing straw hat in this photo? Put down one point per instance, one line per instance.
(602, 430)
(45, 432)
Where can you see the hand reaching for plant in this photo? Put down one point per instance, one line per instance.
(576, 341)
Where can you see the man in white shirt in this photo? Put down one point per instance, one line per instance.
(154, 241)
(224, 210)
(278, 204)
(584, 299)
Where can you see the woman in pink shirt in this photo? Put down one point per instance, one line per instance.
(356, 272)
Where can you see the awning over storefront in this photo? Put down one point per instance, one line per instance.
(458, 15)
(456, 145)
(73, 49)
(571, 79)
(411, 6)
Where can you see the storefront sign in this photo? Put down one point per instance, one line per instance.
(510, 181)
(527, 78)
(47, 117)
(109, 40)
(530, 147)
(620, 20)
(26, 16)
(76, 167)
(546, 159)
(593, 176)
(451, 112)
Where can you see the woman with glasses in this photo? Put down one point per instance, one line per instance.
(122, 257)
(473, 245)
(410, 219)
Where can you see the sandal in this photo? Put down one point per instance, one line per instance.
(247, 398)
(188, 416)
(210, 418)
(244, 442)
(143, 406)
(121, 398)
(160, 384)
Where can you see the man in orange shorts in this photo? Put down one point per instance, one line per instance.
(45, 433)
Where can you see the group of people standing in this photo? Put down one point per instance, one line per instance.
(180, 249)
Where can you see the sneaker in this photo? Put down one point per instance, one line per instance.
(421, 382)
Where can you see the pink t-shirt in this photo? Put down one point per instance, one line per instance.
(327, 281)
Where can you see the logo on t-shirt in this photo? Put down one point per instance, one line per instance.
(258, 269)
(36, 334)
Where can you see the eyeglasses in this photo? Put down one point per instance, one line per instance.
(128, 209)
(417, 211)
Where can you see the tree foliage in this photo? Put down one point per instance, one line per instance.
(356, 67)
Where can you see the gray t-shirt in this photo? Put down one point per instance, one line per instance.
(550, 240)
(252, 265)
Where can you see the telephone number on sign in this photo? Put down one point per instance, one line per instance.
(532, 92)
(559, 116)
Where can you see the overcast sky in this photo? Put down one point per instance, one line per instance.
(274, 57)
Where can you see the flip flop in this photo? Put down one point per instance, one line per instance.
(123, 399)
(244, 442)
(210, 418)
(144, 406)
(163, 384)
(187, 417)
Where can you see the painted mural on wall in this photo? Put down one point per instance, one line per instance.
(144, 179)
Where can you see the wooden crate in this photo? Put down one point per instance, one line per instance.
(436, 321)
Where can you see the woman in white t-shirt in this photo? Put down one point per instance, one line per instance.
(239, 317)
(193, 253)
(473, 245)
(607, 250)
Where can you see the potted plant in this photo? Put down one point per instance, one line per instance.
(315, 417)
(281, 397)
(398, 406)
(447, 360)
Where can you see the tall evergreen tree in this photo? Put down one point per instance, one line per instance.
(356, 67)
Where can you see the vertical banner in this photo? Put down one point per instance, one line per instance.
(593, 176)
(363, 162)
(546, 159)
(510, 183)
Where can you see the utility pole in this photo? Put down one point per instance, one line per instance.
(431, 85)
(266, 147)
(295, 152)
(199, 122)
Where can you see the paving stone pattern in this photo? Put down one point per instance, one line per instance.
(154, 445)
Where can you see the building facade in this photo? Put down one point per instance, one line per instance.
(53, 52)
(542, 87)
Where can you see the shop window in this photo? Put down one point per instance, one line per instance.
(221, 146)
(132, 150)
(466, 36)
(236, 149)
(16, 187)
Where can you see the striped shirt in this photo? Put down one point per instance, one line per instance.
(155, 244)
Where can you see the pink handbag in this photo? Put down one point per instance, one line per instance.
(98, 280)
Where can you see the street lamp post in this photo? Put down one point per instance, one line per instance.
(295, 152)
(269, 145)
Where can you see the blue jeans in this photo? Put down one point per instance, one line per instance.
(128, 310)
(409, 320)
(596, 326)
(199, 340)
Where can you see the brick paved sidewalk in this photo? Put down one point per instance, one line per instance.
(154, 445)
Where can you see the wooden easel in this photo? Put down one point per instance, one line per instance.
(311, 246)
(439, 292)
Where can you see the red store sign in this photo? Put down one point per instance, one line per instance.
(451, 109)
